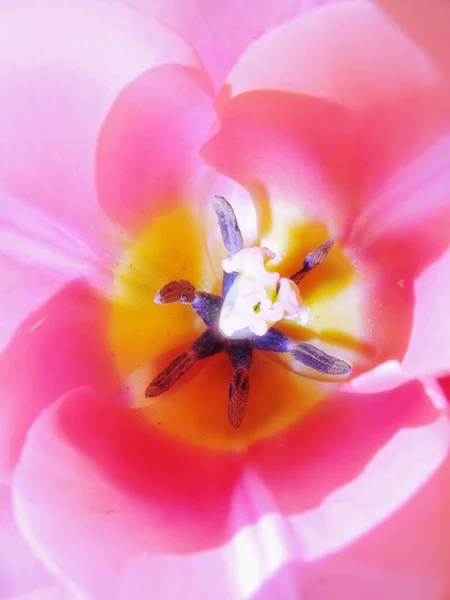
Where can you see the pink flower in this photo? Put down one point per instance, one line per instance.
(316, 120)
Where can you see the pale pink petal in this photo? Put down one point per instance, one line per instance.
(148, 153)
(22, 575)
(406, 556)
(62, 64)
(61, 345)
(220, 31)
(286, 583)
(97, 486)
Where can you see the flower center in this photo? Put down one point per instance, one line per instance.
(240, 321)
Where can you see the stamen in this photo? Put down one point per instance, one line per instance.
(320, 361)
(273, 341)
(229, 228)
(206, 345)
(176, 291)
(207, 306)
(314, 258)
(171, 374)
(238, 396)
(240, 353)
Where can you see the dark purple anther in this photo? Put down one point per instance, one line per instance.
(240, 353)
(208, 344)
(320, 361)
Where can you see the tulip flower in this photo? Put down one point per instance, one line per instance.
(224, 266)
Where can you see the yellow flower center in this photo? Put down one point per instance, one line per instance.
(146, 336)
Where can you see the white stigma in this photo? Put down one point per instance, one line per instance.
(258, 298)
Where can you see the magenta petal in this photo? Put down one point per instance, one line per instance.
(97, 486)
(148, 153)
(60, 346)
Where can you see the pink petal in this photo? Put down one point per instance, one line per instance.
(38, 254)
(288, 149)
(386, 376)
(428, 349)
(401, 232)
(58, 347)
(354, 462)
(22, 576)
(97, 487)
(367, 154)
(130, 513)
(399, 103)
(444, 383)
(406, 556)
(349, 52)
(47, 74)
(221, 31)
(148, 149)
(56, 92)
(428, 28)
(234, 570)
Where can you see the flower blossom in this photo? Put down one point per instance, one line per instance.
(224, 266)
